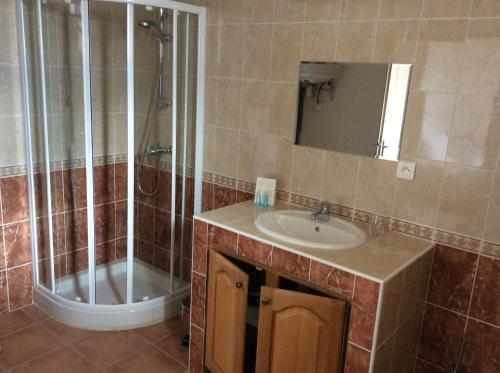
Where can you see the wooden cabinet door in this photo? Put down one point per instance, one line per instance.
(226, 315)
(299, 332)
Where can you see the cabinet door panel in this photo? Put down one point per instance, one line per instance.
(226, 315)
(299, 332)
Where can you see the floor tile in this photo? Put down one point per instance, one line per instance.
(36, 312)
(61, 360)
(25, 345)
(13, 321)
(172, 345)
(103, 348)
(160, 330)
(67, 333)
(150, 360)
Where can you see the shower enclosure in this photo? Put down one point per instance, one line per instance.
(113, 104)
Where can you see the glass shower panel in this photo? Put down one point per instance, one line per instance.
(108, 48)
(67, 148)
(185, 126)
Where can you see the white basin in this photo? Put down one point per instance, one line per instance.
(297, 227)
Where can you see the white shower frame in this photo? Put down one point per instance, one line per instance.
(130, 314)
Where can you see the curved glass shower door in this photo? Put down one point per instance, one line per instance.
(112, 101)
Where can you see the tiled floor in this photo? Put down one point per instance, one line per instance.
(32, 342)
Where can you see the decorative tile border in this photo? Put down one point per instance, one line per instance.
(401, 226)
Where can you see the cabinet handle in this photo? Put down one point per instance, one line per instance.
(239, 285)
(266, 301)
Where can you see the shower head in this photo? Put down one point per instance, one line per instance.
(147, 24)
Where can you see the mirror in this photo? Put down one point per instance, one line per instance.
(356, 108)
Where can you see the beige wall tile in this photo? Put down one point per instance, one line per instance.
(340, 177)
(400, 9)
(289, 10)
(255, 106)
(474, 138)
(284, 157)
(9, 52)
(320, 41)
(359, 9)
(248, 157)
(356, 41)
(396, 41)
(417, 200)
(307, 171)
(232, 11)
(228, 103)
(231, 51)
(440, 55)
(322, 10)
(282, 110)
(12, 141)
(257, 55)
(226, 152)
(481, 71)
(259, 10)
(492, 226)
(427, 125)
(376, 187)
(209, 148)
(210, 101)
(485, 8)
(464, 199)
(285, 53)
(11, 99)
(212, 51)
(446, 8)
(213, 10)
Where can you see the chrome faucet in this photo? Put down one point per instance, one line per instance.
(323, 215)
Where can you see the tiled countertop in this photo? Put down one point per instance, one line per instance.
(378, 259)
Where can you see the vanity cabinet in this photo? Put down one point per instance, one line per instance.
(294, 331)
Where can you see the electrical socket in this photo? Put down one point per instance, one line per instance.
(406, 170)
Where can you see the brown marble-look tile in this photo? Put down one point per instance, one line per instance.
(223, 196)
(361, 326)
(163, 199)
(121, 219)
(105, 252)
(188, 193)
(162, 228)
(56, 180)
(196, 348)
(76, 229)
(161, 260)
(255, 250)
(4, 296)
(422, 366)
(482, 350)
(198, 293)
(366, 293)
(332, 278)
(452, 276)
(2, 252)
(145, 222)
(291, 263)
(242, 196)
(223, 238)
(17, 243)
(121, 248)
(357, 360)
(120, 181)
(20, 286)
(104, 184)
(146, 177)
(104, 222)
(486, 295)
(77, 261)
(207, 197)
(146, 252)
(200, 246)
(14, 199)
(75, 188)
(442, 333)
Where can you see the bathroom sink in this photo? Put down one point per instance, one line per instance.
(297, 227)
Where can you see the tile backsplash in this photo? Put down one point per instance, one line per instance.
(452, 128)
